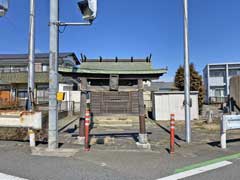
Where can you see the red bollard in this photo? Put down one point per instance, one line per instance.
(172, 133)
(87, 123)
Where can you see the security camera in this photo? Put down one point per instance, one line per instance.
(88, 9)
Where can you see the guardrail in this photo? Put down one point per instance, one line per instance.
(22, 119)
(228, 122)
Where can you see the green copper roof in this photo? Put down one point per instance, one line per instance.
(127, 66)
(122, 67)
(97, 71)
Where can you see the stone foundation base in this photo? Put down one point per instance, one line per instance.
(142, 138)
(143, 142)
(143, 146)
(81, 140)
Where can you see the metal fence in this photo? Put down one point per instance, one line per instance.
(69, 106)
(72, 106)
(218, 100)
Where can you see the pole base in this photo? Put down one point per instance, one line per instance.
(143, 142)
(53, 139)
(143, 146)
(87, 149)
(81, 140)
(142, 138)
(32, 140)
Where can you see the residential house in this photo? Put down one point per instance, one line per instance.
(216, 80)
(14, 74)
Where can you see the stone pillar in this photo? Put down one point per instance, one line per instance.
(142, 139)
(83, 106)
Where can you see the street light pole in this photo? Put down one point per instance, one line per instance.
(53, 76)
(186, 76)
(31, 54)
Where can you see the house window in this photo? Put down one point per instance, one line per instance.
(19, 69)
(67, 88)
(45, 68)
(217, 73)
(7, 69)
(234, 72)
(219, 92)
(22, 94)
(38, 67)
(42, 93)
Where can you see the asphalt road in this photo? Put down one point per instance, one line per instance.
(16, 160)
(230, 172)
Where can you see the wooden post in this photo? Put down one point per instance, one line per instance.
(141, 107)
(83, 107)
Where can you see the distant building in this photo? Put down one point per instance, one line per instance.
(216, 80)
(155, 86)
(14, 75)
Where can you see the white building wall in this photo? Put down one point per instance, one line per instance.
(70, 96)
(216, 81)
(75, 96)
(165, 104)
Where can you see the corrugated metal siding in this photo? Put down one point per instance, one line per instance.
(166, 104)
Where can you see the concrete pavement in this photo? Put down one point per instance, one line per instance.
(16, 160)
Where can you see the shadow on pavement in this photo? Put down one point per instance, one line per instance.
(218, 143)
(166, 130)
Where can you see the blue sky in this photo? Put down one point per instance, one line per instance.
(126, 28)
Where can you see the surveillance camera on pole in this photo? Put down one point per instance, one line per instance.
(88, 9)
(3, 7)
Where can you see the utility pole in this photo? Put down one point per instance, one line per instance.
(31, 54)
(186, 76)
(89, 10)
(53, 76)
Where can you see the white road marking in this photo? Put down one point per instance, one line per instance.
(196, 171)
(8, 177)
(103, 164)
